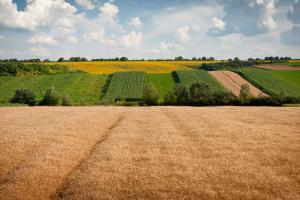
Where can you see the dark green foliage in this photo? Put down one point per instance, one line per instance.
(245, 93)
(24, 96)
(51, 98)
(20, 69)
(169, 98)
(150, 94)
(66, 100)
(223, 98)
(181, 94)
(201, 93)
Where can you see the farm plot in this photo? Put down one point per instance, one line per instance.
(127, 86)
(233, 82)
(149, 153)
(273, 82)
(187, 78)
(82, 88)
(279, 67)
(109, 67)
(162, 82)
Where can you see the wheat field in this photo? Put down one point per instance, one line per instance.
(149, 153)
(109, 67)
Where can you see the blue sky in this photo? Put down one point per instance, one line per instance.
(149, 28)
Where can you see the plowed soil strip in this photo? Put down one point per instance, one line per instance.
(152, 153)
(278, 67)
(233, 82)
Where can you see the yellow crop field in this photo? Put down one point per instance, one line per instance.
(108, 67)
(293, 61)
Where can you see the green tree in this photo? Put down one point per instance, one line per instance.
(24, 96)
(181, 94)
(169, 98)
(201, 93)
(245, 93)
(51, 98)
(150, 95)
(66, 100)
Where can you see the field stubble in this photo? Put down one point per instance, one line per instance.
(149, 153)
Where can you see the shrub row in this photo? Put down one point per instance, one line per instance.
(19, 68)
(51, 98)
(233, 64)
(200, 94)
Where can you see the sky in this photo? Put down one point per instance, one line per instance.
(150, 29)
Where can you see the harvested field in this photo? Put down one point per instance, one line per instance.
(149, 153)
(233, 82)
(279, 67)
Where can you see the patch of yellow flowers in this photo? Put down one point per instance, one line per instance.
(109, 67)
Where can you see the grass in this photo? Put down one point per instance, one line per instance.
(187, 78)
(109, 67)
(125, 86)
(163, 83)
(83, 89)
(273, 82)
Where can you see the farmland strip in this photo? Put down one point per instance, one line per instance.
(233, 82)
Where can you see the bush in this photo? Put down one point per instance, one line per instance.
(245, 93)
(24, 96)
(150, 95)
(51, 98)
(201, 94)
(182, 94)
(66, 100)
(169, 98)
(224, 98)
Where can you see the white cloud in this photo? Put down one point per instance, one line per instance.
(37, 13)
(87, 4)
(182, 34)
(135, 22)
(43, 39)
(72, 39)
(269, 9)
(109, 11)
(132, 39)
(41, 52)
(218, 24)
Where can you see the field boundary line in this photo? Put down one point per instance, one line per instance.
(65, 181)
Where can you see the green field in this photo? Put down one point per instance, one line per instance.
(187, 78)
(273, 82)
(125, 86)
(83, 89)
(162, 82)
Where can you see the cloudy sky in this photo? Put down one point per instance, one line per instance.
(149, 28)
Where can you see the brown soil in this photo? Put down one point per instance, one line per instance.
(279, 67)
(149, 153)
(233, 82)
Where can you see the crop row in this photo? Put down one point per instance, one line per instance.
(273, 82)
(125, 86)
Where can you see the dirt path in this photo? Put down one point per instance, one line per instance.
(150, 153)
(279, 67)
(233, 82)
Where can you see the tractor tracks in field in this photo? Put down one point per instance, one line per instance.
(66, 180)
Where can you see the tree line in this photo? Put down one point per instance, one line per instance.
(177, 58)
